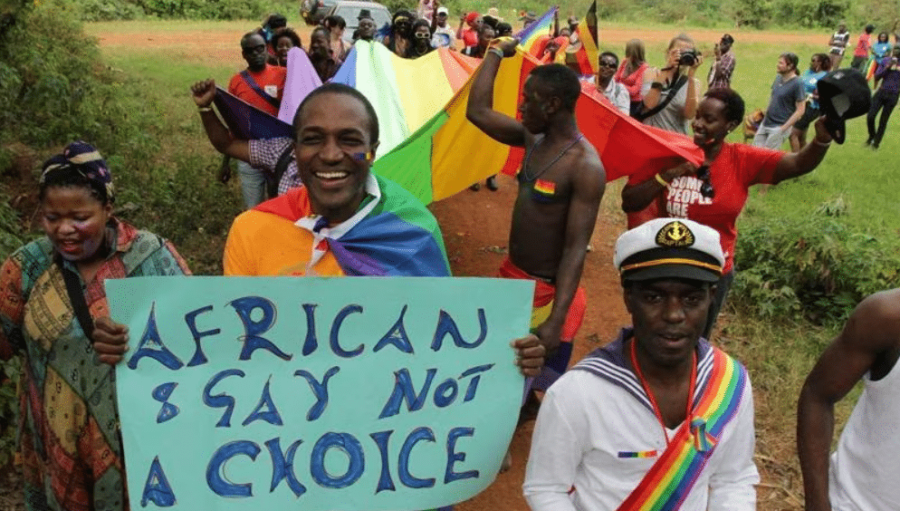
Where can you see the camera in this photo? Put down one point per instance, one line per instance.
(688, 57)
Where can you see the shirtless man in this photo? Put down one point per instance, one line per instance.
(560, 186)
(862, 473)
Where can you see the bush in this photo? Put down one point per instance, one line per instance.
(108, 10)
(53, 86)
(812, 13)
(817, 268)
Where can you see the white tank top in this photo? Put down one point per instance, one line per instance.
(865, 468)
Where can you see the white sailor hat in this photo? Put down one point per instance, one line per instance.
(670, 248)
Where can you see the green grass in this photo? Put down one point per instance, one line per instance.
(168, 175)
(170, 26)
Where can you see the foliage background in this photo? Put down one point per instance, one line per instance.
(753, 13)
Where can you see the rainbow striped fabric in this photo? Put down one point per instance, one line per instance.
(671, 478)
(406, 93)
(301, 80)
(720, 385)
(391, 235)
(638, 454)
(542, 26)
(421, 106)
(448, 153)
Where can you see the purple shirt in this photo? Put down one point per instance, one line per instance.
(889, 76)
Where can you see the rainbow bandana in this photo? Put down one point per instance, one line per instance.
(720, 385)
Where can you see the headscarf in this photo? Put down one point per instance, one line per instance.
(471, 17)
(87, 161)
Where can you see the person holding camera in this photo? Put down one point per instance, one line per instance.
(786, 105)
(720, 72)
(670, 94)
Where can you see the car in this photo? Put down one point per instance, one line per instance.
(350, 9)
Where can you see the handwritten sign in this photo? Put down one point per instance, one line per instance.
(351, 394)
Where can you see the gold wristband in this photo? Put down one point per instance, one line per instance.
(204, 109)
(660, 180)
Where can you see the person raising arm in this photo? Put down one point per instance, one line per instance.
(561, 184)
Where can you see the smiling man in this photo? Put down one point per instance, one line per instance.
(659, 418)
(345, 220)
(612, 90)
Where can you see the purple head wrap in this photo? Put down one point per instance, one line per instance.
(85, 160)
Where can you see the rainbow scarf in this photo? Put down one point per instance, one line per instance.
(720, 385)
(392, 233)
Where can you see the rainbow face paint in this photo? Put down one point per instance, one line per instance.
(367, 156)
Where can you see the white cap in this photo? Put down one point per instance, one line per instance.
(670, 248)
(443, 10)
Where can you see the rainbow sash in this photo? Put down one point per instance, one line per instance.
(720, 385)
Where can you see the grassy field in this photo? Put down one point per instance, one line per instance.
(168, 185)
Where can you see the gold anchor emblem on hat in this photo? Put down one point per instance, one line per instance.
(675, 234)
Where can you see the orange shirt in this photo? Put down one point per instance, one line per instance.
(271, 79)
(287, 251)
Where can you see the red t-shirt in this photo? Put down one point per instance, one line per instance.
(863, 45)
(737, 167)
(271, 79)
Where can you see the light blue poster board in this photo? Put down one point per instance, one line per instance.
(320, 394)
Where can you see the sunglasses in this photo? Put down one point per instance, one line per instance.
(609, 65)
(422, 35)
(706, 189)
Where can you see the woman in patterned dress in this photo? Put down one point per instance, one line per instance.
(68, 423)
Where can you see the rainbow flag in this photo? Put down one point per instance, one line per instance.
(246, 121)
(302, 79)
(669, 481)
(542, 26)
(448, 153)
(391, 235)
(406, 93)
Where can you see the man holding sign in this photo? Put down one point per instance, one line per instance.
(659, 418)
(343, 222)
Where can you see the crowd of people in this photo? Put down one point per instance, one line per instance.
(659, 418)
